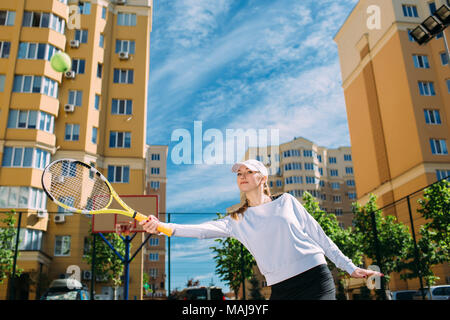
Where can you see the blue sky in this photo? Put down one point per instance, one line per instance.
(232, 64)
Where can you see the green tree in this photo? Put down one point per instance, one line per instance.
(435, 207)
(433, 245)
(394, 238)
(233, 262)
(8, 235)
(107, 264)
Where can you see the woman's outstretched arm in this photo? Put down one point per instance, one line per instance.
(207, 230)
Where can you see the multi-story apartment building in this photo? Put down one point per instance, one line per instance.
(398, 104)
(96, 112)
(155, 249)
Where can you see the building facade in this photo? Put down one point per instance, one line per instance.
(96, 112)
(398, 105)
(155, 249)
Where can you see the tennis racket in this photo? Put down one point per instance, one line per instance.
(80, 188)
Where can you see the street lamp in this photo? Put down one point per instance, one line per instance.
(432, 26)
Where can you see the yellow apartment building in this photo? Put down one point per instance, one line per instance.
(155, 248)
(398, 105)
(95, 112)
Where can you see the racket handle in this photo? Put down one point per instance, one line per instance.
(167, 231)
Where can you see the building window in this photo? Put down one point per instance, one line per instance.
(347, 157)
(154, 185)
(104, 12)
(293, 179)
(155, 157)
(94, 135)
(43, 20)
(410, 11)
(442, 174)
(35, 84)
(75, 97)
(22, 197)
(2, 82)
(432, 116)
(426, 88)
(432, 7)
(309, 166)
(444, 58)
(101, 41)
(154, 170)
(72, 132)
(438, 146)
(125, 46)
(337, 199)
(123, 76)
(338, 211)
(40, 51)
(85, 7)
(99, 70)
(78, 65)
(335, 185)
(332, 160)
(7, 18)
(421, 61)
(4, 49)
(153, 272)
(410, 37)
(119, 174)
(350, 183)
(126, 19)
(334, 173)
(351, 195)
(349, 170)
(307, 153)
(30, 119)
(122, 106)
(153, 242)
(119, 139)
(311, 180)
(30, 240)
(19, 157)
(81, 35)
(62, 246)
(97, 102)
(153, 256)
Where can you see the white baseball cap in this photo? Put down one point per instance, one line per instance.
(252, 164)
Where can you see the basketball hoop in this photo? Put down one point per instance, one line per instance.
(124, 228)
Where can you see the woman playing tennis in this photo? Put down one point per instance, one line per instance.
(288, 244)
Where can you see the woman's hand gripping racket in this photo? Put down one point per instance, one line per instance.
(79, 187)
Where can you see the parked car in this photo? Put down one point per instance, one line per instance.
(202, 293)
(403, 294)
(66, 289)
(437, 293)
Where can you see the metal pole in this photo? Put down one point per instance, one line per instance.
(93, 267)
(242, 271)
(416, 250)
(127, 267)
(16, 252)
(377, 253)
(168, 259)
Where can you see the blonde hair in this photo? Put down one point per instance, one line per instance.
(243, 208)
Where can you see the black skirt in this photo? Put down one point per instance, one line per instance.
(313, 284)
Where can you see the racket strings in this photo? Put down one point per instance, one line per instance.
(77, 186)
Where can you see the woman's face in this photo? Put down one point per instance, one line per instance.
(249, 180)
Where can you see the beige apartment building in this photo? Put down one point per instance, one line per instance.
(398, 105)
(155, 249)
(95, 113)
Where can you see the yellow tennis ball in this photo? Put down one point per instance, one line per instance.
(61, 62)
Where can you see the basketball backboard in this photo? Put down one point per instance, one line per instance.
(145, 204)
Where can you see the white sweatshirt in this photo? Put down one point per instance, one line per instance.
(282, 236)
